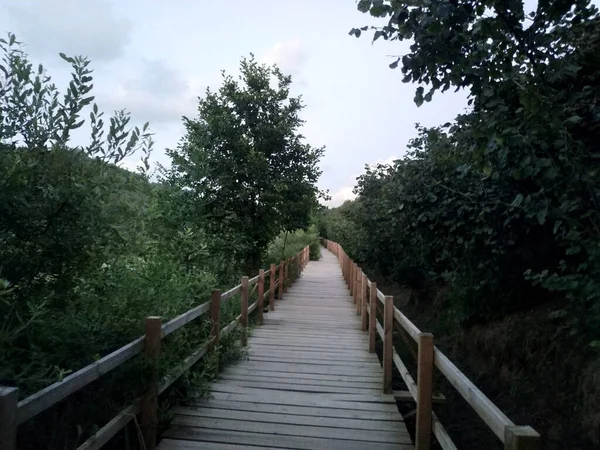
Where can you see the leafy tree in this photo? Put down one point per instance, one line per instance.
(476, 43)
(244, 166)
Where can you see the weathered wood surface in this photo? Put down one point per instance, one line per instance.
(308, 381)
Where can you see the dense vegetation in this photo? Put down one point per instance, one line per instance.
(88, 250)
(498, 211)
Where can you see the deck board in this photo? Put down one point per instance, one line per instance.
(308, 381)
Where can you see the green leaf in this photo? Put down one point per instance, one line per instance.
(541, 217)
(517, 201)
(557, 225)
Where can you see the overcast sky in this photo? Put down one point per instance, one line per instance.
(155, 57)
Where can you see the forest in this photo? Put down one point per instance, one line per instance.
(488, 228)
(88, 250)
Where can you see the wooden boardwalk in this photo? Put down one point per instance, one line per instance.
(308, 381)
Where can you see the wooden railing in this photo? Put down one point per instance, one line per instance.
(14, 412)
(367, 297)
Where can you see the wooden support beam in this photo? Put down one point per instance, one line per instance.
(286, 274)
(272, 288)
(388, 349)
(372, 317)
(281, 268)
(424, 391)
(261, 296)
(9, 398)
(149, 404)
(215, 319)
(244, 311)
(364, 317)
(359, 291)
(521, 438)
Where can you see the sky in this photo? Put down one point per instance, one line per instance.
(155, 58)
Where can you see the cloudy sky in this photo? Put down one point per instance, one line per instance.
(155, 58)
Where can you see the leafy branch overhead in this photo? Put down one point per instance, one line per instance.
(473, 44)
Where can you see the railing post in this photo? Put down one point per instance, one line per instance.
(355, 283)
(372, 317)
(286, 275)
(521, 438)
(363, 305)
(9, 398)
(281, 267)
(261, 296)
(244, 312)
(388, 327)
(359, 277)
(424, 391)
(215, 319)
(272, 288)
(149, 404)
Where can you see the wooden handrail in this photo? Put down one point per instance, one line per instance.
(38, 402)
(514, 437)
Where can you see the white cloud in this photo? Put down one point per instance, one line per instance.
(345, 193)
(75, 27)
(289, 56)
(341, 196)
(154, 92)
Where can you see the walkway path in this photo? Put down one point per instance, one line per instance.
(308, 381)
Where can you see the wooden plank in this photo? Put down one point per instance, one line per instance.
(350, 383)
(293, 442)
(388, 348)
(215, 318)
(315, 369)
(424, 391)
(306, 399)
(316, 362)
(184, 318)
(372, 317)
(261, 296)
(522, 438)
(178, 444)
(272, 288)
(495, 419)
(292, 419)
(244, 312)
(259, 371)
(41, 400)
(297, 410)
(108, 431)
(231, 292)
(212, 423)
(406, 324)
(302, 388)
(183, 367)
(281, 281)
(293, 399)
(325, 354)
(9, 397)
(442, 435)
(149, 404)
(364, 318)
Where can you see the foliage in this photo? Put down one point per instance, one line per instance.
(502, 204)
(288, 244)
(88, 250)
(244, 166)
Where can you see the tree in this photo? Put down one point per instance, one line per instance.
(474, 43)
(243, 163)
